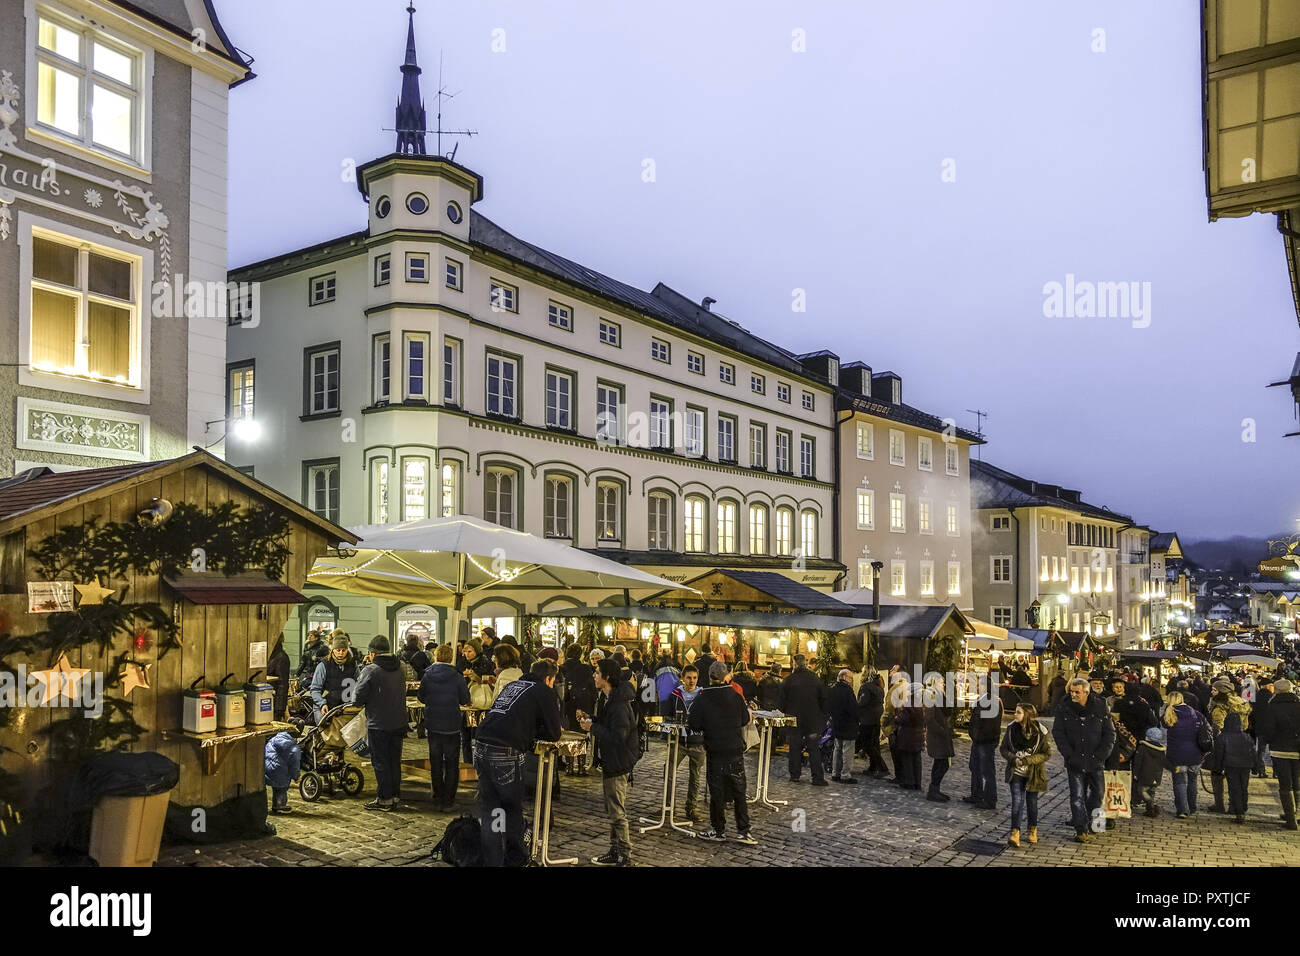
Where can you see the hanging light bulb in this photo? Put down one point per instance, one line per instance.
(681, 634)
(774, 643)
(609, 629)
(812, 647)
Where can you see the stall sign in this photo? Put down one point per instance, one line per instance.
(419, 620)
(46, 597)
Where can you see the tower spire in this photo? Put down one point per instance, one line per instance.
(410, 106)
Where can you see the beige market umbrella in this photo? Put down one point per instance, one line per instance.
(444, 560)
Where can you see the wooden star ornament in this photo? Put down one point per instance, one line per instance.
(135, 675)
(62, 680)
(93, 594)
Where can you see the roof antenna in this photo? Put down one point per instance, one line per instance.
(439, 132)
(980, 415)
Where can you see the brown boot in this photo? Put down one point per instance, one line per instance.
(1014, 839)
(1033, 835)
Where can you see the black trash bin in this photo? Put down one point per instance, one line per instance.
(128, 794)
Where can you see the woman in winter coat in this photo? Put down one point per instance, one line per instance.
(1025, 747)
(1184, 725)
(909, 736)
(1233, 759)
(871, 707)
(938, 744)
(1149, 768)
(283, 764)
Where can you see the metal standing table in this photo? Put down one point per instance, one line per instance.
(668, 807)
(765, 727)
(570, 744)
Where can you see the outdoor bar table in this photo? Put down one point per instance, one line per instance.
(667, 811)
(570, 744)
(767, 721)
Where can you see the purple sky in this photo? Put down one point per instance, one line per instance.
(821, 170)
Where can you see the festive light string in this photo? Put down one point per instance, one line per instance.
(507, 576)
(346, 571)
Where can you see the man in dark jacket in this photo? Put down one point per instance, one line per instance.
(803, 696)
(1280, 727)
(743, 679)
(985, 734)
(525, 711)
(769, 689)
(443, 693)
(721, 716)
(871, 708)
(1130, 709)
(381, 689)
(335, 680)
(615, 731)
(1085, 735)
(1262, 696)
(705, 661)
(842, 708)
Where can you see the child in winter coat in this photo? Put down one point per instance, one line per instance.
(1148, 768)
(1233, 758)
(283, 765)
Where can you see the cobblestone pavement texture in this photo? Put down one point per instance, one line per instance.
(874, 824)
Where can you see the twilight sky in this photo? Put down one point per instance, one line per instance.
(823, 170)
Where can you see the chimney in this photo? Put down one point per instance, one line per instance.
(876, 568)
(707, 302)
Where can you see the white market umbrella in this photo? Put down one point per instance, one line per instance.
(1261, 659)
(443, 560)
(1232, 646)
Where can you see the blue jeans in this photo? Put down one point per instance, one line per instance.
(983, 774)
(1186, 781)
(500, 803)
(1085, 797)
(1023, 802)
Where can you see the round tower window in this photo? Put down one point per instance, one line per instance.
(418, 203)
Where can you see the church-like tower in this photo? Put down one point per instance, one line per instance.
(410, 107)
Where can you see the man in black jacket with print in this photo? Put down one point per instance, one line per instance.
(721, 715)
(1085, 736)
(525, 711)
(803, 696)
(616, 733)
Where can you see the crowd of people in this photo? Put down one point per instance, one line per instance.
(1221, 731)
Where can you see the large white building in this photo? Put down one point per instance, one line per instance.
(432, 364)
(112, 200)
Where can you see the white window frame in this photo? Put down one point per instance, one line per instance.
(451, 369)
(492, 495)
(323, 289)
(559, 316)
(409, 512)
(783, 531)
(1000, 523)
(241, 389)
(869, 496)
(864, 573)
(380, 490)
(502, 296)
(953, 521)
(661, 350)
(312, 356)
(927, 579)
(417, 267)
(694, 423)
(783, 392)
(29, 227)
(809, 517)
(898, 578)
(779, 459)
(996, 562)
(809, 402)
(328, 513)
(1000, 615)
(551, 519)
(757, 445)
(952, 458)
(695, 362)
(383, 270)
(661, 423)
(924, 516)
(759, 519)
(610, 333)
(383, 378)
(409, 393)
(727, 516)
(449, 488)
(504, 361)
(605, 418)
(695, 524)
(659, 528)
(558, 414)
(726, 438)
(453, 271)
(807, 457)
(726, 373)
(901, 458)
(954, 570)
(899, 526)
(757, 383)
(866, 451)
(924, 454)
(140, 161)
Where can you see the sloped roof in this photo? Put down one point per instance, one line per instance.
(39, 492)
(1165, 541)
(788, 591)
(900, 412)
(993, 487)
(175, 16)
(913, 620)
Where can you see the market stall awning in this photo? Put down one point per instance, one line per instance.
(1236, 647)
(251, 588)
(1262, 659)
(717, 617)
(1142, 654)
(983, 629)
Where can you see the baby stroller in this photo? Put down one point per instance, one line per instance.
(828, 750)
(323, 765)
(299, 707)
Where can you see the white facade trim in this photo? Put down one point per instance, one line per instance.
(114, 442)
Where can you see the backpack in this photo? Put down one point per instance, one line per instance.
(1204, 735)
(461, 843)
(665, 684)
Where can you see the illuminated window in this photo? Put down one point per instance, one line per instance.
(1043, 574)
(1000, 569)
(866, 510)
(808, 534)
(450, 498)
(379, 491)
(693, 525)
(954, 527)
(898, 578)
(85, 315)
(927, 578)
(415, 489)
(91, 88)
(923, 517)
(758, 529)
(954, 578)
(784, 531)
(726, 527)
(924, 454)
(866, 441)
(897, 447)
(897, 512)
(952, 459)
(609, 511)
(241, 393)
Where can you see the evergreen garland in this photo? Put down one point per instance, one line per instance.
(224, 538)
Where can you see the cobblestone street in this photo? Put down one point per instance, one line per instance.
(874, 823)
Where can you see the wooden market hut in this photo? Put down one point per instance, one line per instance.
(220, 620)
